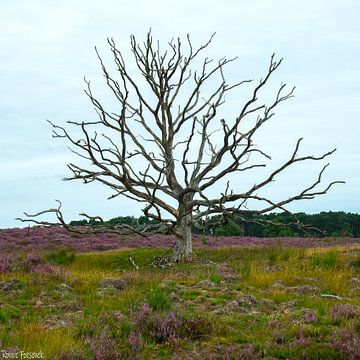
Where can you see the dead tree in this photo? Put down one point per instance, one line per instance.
(166, 144)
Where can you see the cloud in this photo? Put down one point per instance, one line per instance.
(47, 48)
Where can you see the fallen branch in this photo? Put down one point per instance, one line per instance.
(330, 296)
(133, 262)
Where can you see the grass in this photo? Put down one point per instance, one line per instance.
(238, 302)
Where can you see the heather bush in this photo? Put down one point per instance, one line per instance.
(104, 347)
(171, 326)
(6, 263)
(159, 328)
(135, 342)
(244, 352)
(195, 327)
(45, 269)
(31, 262)
(301, 341)
(309, 316)
(343, 311)
(347, 342)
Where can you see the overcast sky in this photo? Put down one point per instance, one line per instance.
(46, 48)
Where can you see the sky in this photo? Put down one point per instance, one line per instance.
(46, 49)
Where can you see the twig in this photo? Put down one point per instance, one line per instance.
(133, 262)
(330, 296)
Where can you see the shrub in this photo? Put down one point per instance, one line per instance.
(135, 341)
(344, 311)
(6, 263)
(31, 262)
(215, 278)
(157, 328)
(309, 316)
(104, 347)
(170, 326)
(195, 328)
(346, 342)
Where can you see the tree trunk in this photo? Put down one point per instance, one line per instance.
(183, 250)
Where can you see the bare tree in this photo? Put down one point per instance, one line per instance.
(167, 145)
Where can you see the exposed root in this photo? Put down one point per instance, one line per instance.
(167, 260)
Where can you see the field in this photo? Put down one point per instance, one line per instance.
(79, 297)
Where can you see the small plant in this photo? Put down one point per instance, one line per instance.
(159, 299)
(61, 257)
(309, 316)
(215, 278)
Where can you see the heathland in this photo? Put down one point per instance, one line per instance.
(73, 296)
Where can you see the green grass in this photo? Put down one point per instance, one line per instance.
(328, 260)
(61, 257)
(258, 309)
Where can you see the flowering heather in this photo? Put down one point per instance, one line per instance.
(167, 327)
(160, 328)
(347, 342)
(301, 341)
(31, 261)
(309, 316)
(344, 311)
(135, 341)
(6, 262)
(245, 352)
(49, 238)
(104, 347)
(45, 269)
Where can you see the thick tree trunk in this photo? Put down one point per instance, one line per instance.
(183, 250)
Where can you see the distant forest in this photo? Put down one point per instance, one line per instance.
(338, 224)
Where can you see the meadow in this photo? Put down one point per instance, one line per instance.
(69, 296)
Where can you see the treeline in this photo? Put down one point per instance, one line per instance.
(338, 224)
